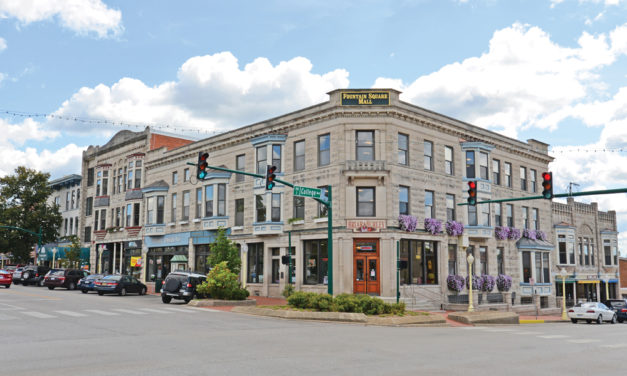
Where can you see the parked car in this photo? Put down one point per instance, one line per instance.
(119, 284)
(34, 274)
(67, 278)
(181, 285)
(6, 278)
(592, 311)
(86, 284)
(17, 275)
(619, 306)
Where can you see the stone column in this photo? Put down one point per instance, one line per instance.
(507, 299)
(121, 256)
(191, 255)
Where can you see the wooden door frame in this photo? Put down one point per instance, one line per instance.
(367, 255)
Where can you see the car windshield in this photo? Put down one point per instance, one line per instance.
(113, 277)
(617, 303)
(180, 277)
(57, 272)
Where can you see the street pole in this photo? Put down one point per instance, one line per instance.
(470, 260)
(563, 275)
(330, 241)
(398, 272)
(289, 257)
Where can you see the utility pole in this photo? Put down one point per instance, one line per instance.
(570, 188)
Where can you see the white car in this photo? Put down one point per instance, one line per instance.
(592, 311)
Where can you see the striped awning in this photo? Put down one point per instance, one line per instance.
(589, 281)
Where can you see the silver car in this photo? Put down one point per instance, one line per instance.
(592, 311)
(17, 275)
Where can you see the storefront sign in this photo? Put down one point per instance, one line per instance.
(169, 240)
(136, 262)
(365, 98)
(365, 225)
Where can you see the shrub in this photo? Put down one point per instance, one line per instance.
(322, 302)
(222, 284)
(288, 290)
(345, 303)
(298, 299)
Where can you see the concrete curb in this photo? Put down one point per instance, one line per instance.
(484, 317)
(540, 321)
(302, 315)
(221, 303)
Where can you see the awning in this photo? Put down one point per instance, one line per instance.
(178, 258)
(589, 281)
(613, 281)
(559, 280)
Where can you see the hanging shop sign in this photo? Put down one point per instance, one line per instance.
(365, 225)
(365, 98)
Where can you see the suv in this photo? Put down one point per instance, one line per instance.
(619, 306)
(181, 285)
(33, 274)
(67, 278)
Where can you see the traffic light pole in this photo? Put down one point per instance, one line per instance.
(326, 203)
(558, 195)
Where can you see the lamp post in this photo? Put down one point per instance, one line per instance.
(54, 253)
(563, 275)
(470, 260)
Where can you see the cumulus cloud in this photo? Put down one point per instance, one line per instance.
(3, 44)
(81, 16)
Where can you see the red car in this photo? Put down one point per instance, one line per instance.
(6, 278)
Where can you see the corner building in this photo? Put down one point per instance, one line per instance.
(382, 157)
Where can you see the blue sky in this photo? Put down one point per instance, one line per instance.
(553, 70)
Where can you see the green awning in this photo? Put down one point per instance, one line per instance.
(179, 258)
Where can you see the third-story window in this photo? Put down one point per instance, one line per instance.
(239, 212)
(403, 200)
(276, 157)
(470, 164)
(366, 202)
(429, 205)
(129, 215)
(607, 250)
(209, 201)
(508, 174)
(523, 178)
(428, 155)
(221, 200)
(198, 203)
(262, 159)
(483, 165)
(403, 149)
(186, 174)
(449, 166)
(534, 219)
(533, 177)
(175, 177)
(498, 215)
(299, 207)
(496, 172)
(525, 216)
(450, 207)
(89, 205)
(173, 207)
(365, 146)
(472, 215)
(485, 215)
(509, 214)
(105, 183)
(186, 199)
(275, 211)
(324, 149)
(260, 207)
(299, 155)
(240, 165)
(160, 210)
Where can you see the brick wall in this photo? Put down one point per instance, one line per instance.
(623, 272)
(158, 140)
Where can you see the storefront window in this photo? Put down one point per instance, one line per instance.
(255, 263)
(421, 263)
(316, 262)
(276, 263)
(202, 252)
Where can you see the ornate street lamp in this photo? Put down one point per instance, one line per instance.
(563, 275)
(470, 260)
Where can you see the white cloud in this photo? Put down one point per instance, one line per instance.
(81, 16)
(3, 44)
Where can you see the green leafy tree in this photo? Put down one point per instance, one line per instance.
(73, 253)
(23, 204)
(224, 249)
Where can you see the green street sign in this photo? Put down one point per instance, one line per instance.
(307, 192)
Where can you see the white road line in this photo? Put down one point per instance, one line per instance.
(527, 333)
(558, 336)
(154, 310)
(501, 330)
(129, 311)
(615, 346)
(473, 327)
(583, 340)
(103, 313)
(186, 310)
(70, 313)
(38, 315)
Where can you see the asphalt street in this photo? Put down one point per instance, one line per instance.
(61, 332)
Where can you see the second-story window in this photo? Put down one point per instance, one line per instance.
(129, 215)
(534, 219)
(67, 201)
(186, 199)
(523, 178)
(175, 177)
(324, 149)
(209, 201)
(470, 164)
(323, 211)
(186, 174)
(276, 157)
(450, 207)
(498, 216)
(150, 211)
(484, 215)
(428, 155)
(533, 177)
(483, 165)
(138, 177)
(509, 215)
(299, 155)
(429, 205)
(365, 146)
(275, 210)
(449, 166)
(174, 204)
(403, 149)
(403, 200)
(120, 180)
(89, 204)
(160, 210)
(508, 174)
(299, 207)
(262, 159)
(239, 212)
(472, 215)
(221, 200)
(240, 165)
(366, 202)
(260, 208)
(525, 216)
(198, 203)
(105, 183)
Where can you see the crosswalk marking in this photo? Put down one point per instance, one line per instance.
(584, 340)
(103, 313)
(558, 336)
(130, 311)
(70, 313)
(154, 310)
(38, 315)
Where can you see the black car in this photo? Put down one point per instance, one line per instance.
(619, 306)
(67, 278)
(87, 284)
(119, 284)
(181, 285)
(34, 275)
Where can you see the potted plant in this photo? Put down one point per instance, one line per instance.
(407, 222)
(454, 228)
(433, 226)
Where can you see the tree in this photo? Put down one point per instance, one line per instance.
(23, 204)
(223, 249)
(73, 253)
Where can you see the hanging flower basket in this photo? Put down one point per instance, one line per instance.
(407, 223)
(540, 235)
(454, 228)
(503, 282)
(487, 283)
(529, 234)
(455, 282)
(477, 282)
(501, 232)
(433, 226)
(514, 233)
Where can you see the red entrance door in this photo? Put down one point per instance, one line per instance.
(366, 266)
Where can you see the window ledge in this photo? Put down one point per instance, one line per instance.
(301, 222)
(171, 224)
(196, 220)
(183, 222)
(323, 219)
(237, 228)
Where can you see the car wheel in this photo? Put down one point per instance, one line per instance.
(187, 299)
(142, 291)
(71, 286)
(24, 283)
(621, 320)
(122, 292)
(574, 321)
(7, 286)
(589, 321)
(613, 319)
(600, 320)
(166, 299)
(50, 287)
(100, 293)
(84, 291)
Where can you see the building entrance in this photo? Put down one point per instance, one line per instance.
(366, 266)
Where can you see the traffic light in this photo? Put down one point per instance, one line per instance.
(547, 185)
(201, 170)
(472, 193)
(270, 176)
(285, 260)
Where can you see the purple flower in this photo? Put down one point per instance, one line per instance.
(455, 282)
(529, 234)
(540, 235)
(514, 233)
(454, 228)
(501, 232)
(488, 283)
(407, 222)
(433, 226)
(477, 282)
(503, 282)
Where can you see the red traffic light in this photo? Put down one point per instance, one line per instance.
(270, 176)
(547, 185)
(472, 193)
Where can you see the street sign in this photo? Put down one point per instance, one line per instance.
(307, 192)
